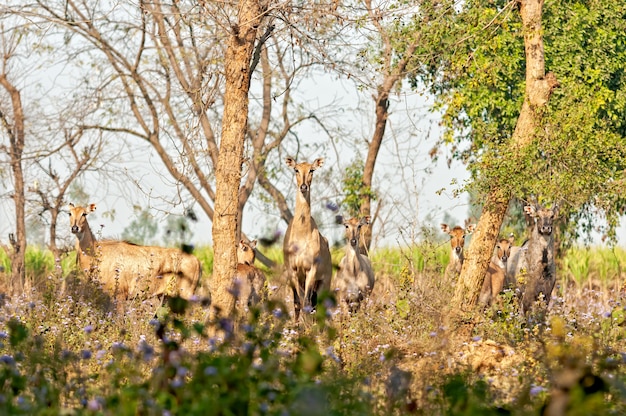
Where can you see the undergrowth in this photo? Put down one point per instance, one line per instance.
(66, 349)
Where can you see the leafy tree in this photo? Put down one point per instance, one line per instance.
(353, 189)
(142, 230)
(503, 116)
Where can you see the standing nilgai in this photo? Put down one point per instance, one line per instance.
(541, 267)
(355, 277)
(457, 241)
(128, 270)
(307, 257)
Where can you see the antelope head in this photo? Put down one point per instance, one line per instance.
(543, 217)
(78, 218)
(304, 173)
(457, 237)
(503, 248)
(353, 229)
(245, 252)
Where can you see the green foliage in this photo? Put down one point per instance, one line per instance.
(142, 230)
(353, 189)
(5, 261)
(178, 231)
(464, 397)
(205, 255)
(72, 354)
(478, 75)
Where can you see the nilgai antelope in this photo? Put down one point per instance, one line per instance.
(128, 270)
(248, 281)
(355, 278)
(539, 258)
(457, 240)
(496, 273)
(307, 256)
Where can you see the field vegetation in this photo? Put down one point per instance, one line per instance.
(65, 348)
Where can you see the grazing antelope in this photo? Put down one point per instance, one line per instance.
(130, 270)
(307, 256)
(355, 277)
(248, 281)
(496, 273)
(539, 258)
(457, 241)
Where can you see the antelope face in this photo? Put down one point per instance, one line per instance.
(304, 173)
(78, 217)
(503, 250)
(353, 229)
(457, 237)
(245, 252)
(544, 217)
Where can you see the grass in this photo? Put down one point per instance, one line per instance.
(64, 350)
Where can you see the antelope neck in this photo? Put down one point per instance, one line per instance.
(88, 240)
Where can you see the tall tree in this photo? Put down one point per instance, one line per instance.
(12, 119)
(539, 87)
(241, 43)
(168, 59)
(563, 145)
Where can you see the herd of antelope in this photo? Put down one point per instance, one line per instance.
(127, 270)
(530, 269)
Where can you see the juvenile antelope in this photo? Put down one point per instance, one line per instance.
(541, 268)
(248, 281)
(355, 277)
(496, 273)
(129, 270)
(307, 256)
(457, 241)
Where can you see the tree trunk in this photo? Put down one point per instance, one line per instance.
(539, 87)
(16, 136)
(382, 113)
(228, 172)
(394, 70)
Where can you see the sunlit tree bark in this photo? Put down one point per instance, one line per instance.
(238, 60)
(539, 86)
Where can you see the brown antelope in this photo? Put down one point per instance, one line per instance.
(248, 281)
(457, 241)
(496, 273)
(355, 277)
(539, 258)
(307, 256)
(129, 270)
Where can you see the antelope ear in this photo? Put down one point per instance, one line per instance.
(318, 163)
(530, 210)
(72, 205)
(511, 238)
(290, 162)
(470, 228)
(555, 210)
(445, 228)
(253, 244)
(92, 207)
(365, 220)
